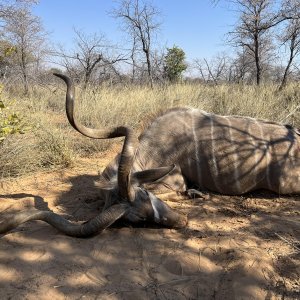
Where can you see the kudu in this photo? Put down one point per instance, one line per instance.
(226, 154)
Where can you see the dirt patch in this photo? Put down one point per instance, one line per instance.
(233, 248)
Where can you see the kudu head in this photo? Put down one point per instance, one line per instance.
(129, 200)
(139, 204)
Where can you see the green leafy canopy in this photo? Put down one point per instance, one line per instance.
(174, 63)
(10, 122)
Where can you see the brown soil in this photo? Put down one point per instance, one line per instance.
(233, 248)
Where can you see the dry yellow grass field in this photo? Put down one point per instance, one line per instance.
(50, 142)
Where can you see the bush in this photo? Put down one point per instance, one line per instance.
(10, 122)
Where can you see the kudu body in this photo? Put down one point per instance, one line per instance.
(182, 148)
(226, 154)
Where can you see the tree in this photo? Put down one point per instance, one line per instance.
(26, 33)
(241, 68)
(8, 8)
(252, 32)
(7, 58)
(90, 56)
(291, 38)
(214, 70)
(174, 63)
(140, 21)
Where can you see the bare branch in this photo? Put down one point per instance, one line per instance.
(90, 58)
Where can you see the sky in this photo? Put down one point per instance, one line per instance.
(196, 26)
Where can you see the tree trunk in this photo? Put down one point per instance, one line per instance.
(287, 69)
(257, 59)
(149, 70)
(24, 73)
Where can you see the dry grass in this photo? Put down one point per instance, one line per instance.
(52, 143)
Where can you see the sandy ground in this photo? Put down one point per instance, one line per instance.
(233, 248)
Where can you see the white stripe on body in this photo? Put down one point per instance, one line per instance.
(196, 141)
(215, 171)
(235, 159)
(268, 157)
(256, 152)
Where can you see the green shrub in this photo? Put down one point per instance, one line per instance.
(10, 122)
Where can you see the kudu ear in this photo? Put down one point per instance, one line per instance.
(151, 175)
